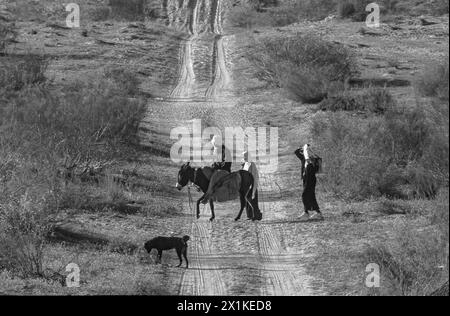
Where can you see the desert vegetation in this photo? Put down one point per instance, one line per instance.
(53, 140)
(306, 66)
(69, 148)
(377, 148)
(398, 152)
(259, 13)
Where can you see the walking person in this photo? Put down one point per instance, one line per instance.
(253, 211)
(310, 167)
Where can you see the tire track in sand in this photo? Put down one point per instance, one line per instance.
(285, 276)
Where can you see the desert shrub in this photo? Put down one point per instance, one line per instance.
(79, 115)
(246, 16)
(279, 13)
(354, 9)
(371, 100)
(392, 207)
(127, 9)
(382, 155)
(415, 262)
(306, 85)
(433, 82)
(107, 195)
(124, 80)
(99, 14)
(441, 7)
(286, 62)
(27, 70)
(346, 9)
(41, 128)
(7, 33)
(24, 227)
(295, 11)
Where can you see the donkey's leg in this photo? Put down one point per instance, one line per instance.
(243, 202)
(198, 206)
(213, 215)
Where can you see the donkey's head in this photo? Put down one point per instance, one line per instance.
(185, 175)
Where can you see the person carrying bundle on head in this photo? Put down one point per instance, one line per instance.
(310, 167)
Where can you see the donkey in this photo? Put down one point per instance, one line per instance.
(201, 178)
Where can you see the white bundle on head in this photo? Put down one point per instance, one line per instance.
(305, 151)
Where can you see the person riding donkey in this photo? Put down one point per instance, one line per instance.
(253, 211)
(222, 162)
(310, 167)
(221, 155)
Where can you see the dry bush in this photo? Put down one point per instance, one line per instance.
(279, 13)
(305, 65)
(433, 82)
(101, 13)
(26, 210)
(416, 261)
(7, 33)
(19, 73)
(393, 207)
(307, 85)
(124, 79)
(130, 10)
(370, 100)
(41, 128)
(398, 155)
(354, 9)
(248, 17)
(440, 7)
(77, 117)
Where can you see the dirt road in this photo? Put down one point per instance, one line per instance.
(227, 257)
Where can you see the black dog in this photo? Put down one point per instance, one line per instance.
(167, 243)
